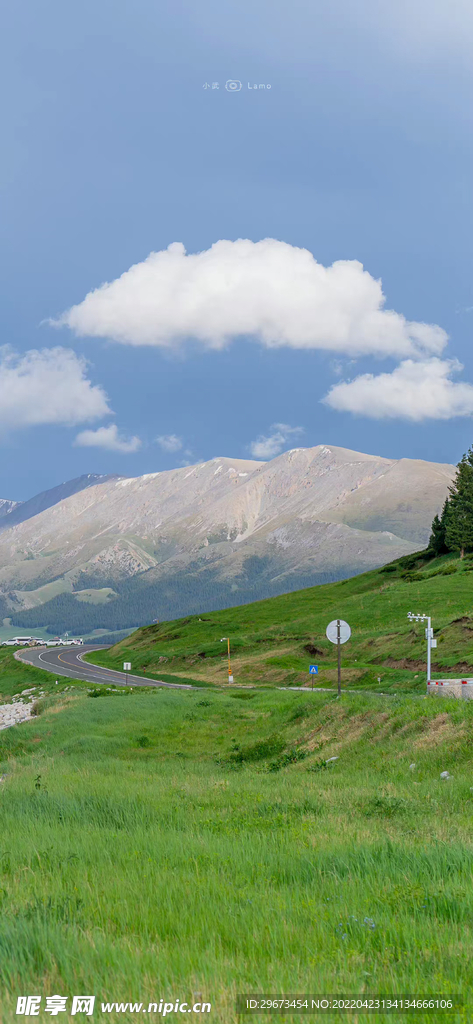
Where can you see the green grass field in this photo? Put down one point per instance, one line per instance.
(161, 844)
(273, 642)
(15, 676)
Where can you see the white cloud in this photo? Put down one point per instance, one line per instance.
(431, 31)
(426, 29)
(270, 290)
(413, 391)
(270, 446)
(48, 385)
(109, 438)
(170, 443)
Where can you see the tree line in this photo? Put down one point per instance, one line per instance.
(453, 529)
(142, 599)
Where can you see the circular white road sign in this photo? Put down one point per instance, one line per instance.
(332, 631)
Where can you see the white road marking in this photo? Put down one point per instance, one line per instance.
(107, 675)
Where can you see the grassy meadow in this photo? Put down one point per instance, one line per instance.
(273, 642)
(164, 843)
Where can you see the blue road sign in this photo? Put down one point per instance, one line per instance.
(314, 670)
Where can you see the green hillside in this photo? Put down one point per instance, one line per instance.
(274, 641)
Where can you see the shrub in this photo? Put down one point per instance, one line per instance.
(290, 757)
(38, 707)
(259, 751)
(317, 766)
(386, 806)
(447, 570)
(100, 691)
(301, 711)
(410, 561)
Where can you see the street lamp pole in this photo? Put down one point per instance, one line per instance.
(339, 659)
(230, 677)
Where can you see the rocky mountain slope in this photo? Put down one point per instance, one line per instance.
(125, 551)
(20, 511)
(6, 506)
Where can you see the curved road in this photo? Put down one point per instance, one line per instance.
(67, 661)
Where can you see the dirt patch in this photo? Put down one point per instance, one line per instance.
(383, 725)
(409, 728)
(461, 668)
(440, 730)
(342, 734)
(316, 742)
(313, 650)
(462, 626)
(349, 675)
(404, 663)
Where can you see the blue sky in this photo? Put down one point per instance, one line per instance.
(361, 150)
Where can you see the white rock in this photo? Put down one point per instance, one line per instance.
(13, 714)
(445, 775)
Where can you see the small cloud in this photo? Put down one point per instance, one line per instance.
(414, 391)
(48, 385)
(169, 443)
(268, 446)
(109, 438)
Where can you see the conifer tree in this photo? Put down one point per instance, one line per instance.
(459, 525)
(438, 537)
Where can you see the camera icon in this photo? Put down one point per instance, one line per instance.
(233, 85)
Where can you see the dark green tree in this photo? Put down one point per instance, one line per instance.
(438, 537)
(459, 525)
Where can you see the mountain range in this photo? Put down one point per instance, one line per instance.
(14, 512)
(114, 552)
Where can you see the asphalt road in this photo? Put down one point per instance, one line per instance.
(67, 661)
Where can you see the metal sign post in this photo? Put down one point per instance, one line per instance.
(338, 632)
(126, 669)
(314, 671)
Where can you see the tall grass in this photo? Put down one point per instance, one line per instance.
(134, 869)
